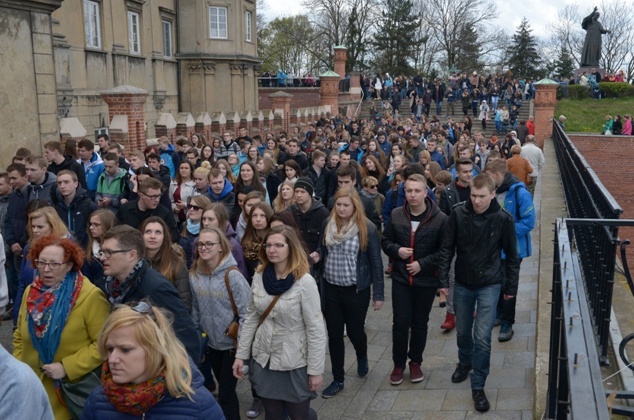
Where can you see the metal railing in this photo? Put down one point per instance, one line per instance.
(587, 198)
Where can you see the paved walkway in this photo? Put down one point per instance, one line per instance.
(510, 385)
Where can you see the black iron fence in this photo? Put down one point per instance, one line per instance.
(587, 197)
(586, 247)
(344, 85)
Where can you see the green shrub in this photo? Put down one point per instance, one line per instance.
(616, 90)
(560, 93)
(578, 92)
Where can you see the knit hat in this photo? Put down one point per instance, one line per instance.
(305, 183)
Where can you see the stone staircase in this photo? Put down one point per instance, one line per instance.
(404, 110)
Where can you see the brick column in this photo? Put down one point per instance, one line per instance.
(203, 125)
(355, 85)
(341, 55)
(545, 101)
(329, 91)
(282, 101)
(128, 101)
(165, 126)
(185, 125)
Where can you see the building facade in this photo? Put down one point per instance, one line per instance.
(189, 55)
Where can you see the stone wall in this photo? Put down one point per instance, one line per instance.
(612, 158)
(28, 106)
(302, 97)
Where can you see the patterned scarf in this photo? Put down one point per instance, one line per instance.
(48, 309)
(118, 291)
(334, 238)
(134, 399)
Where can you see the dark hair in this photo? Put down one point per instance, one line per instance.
(346, 170)
(86, 144)
(128, 238)
(19, 167)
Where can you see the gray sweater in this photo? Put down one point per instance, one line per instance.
(211, 307)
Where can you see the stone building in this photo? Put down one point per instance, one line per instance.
(57, 56)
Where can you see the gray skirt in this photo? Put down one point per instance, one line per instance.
(287, 385)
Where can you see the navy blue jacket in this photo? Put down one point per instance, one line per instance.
(76, 214)
(204, 406)
(15, 222)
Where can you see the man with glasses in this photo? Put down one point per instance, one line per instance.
(134, 212)
(129, 278)
(228, 146)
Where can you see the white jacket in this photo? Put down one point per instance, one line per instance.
(294, 333)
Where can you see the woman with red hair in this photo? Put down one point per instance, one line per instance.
(61, 316)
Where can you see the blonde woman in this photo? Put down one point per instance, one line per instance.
(351, 251)
(285, 198)
(287, 345)
(147, 371)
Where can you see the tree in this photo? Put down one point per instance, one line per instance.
(448, 18)
(395, 34)
(566, 30)
(616, 47)
(281, 49)
(524, 60)
(469, 50)
(564, 65)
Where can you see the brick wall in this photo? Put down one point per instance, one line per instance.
(612, 158)
(302, 97)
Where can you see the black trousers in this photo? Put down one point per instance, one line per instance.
(222, 364)
(411, 307)
(345, 306)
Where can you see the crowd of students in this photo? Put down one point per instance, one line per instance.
(259, 251)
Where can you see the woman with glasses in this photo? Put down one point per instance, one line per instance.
(99, 223)
(215, 216)
(221, 294)
(165, 257)
(61, 315)
(192, 226)
(42, 221)
(283, 332)
(351, 251)
(147, 372)
(181, 189)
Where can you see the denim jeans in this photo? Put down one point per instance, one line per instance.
(474, 335)
(345, 306)
(411, 306)
(439, 108)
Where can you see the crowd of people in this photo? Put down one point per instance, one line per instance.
(171, 272)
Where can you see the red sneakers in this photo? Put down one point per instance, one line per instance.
(415, 374)
(396, 378)
(450, 322)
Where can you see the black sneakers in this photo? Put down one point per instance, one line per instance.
(480, 401)
(461, 373)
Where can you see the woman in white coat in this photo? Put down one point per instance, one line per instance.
(283, 332)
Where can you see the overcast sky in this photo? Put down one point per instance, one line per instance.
(510, 13)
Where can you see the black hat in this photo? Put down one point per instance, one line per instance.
(305, 183)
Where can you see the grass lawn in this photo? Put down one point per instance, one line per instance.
(588, 115)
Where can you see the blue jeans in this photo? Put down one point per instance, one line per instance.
(439, 108)
(474, 336)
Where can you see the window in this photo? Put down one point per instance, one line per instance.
(217, 22)
(167, 38)
(134, 33)
(247, 22)
(91, 24)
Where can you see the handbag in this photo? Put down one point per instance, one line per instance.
(234, 326)
(75, 394)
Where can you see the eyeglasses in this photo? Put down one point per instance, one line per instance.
(206, 245)
(41, 265)
(152, 197)
(276, 246)
(106, 253)
(194, 208)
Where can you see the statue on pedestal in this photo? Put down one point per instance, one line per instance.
(591, 52)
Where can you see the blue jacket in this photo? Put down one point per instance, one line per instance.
(369, 262)
(93, 169)
(75, 215)
(386, 146)
(170, 159)
(204, 406)
(388, 206)
(519, 203)
(14, 230)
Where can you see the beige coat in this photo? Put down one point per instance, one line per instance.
(293, 335)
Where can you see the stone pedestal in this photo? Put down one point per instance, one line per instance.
(355, 85)
(185, 125)
(282, 102)
(341, 55)
(545, 101)
(329, 91)
(166, 126)
(128, 101)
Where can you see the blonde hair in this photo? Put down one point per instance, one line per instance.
(58, 228)
(225, 250)
(165, 353)
(358, 216)
(297, 259)
(278, 203)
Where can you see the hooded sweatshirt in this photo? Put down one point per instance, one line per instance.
(42, 191)
(93, 169)
(76, 214)
(69, 164)
(211, 309)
